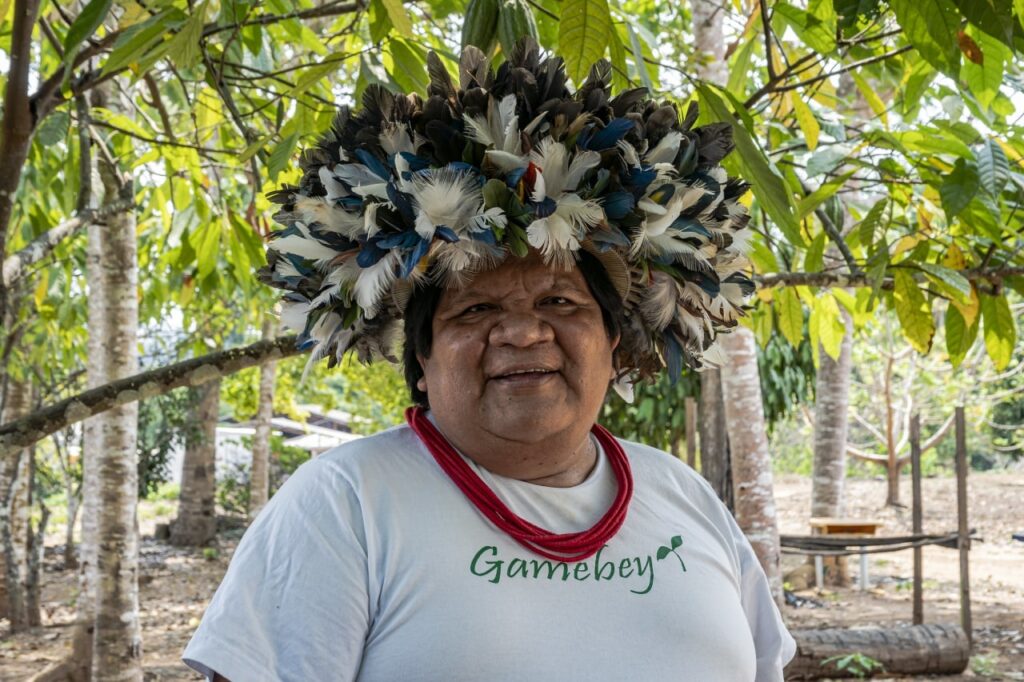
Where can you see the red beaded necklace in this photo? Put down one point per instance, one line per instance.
(567, 547)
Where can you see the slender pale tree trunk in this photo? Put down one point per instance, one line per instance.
(196, 523)
(14, 512)
(117, 639)
(259, 479)
(831, 422)
(748, 445)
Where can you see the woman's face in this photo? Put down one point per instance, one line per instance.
(521, 353)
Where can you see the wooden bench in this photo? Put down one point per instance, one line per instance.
(834, 527)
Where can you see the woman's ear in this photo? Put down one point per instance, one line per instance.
(421, 383)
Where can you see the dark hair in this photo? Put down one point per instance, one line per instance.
(419, 318)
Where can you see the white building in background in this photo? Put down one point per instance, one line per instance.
(322, 430)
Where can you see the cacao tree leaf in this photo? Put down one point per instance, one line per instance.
(84, 25)
(959, 188)
(789, 315)
(931, 27)
(1000, 331)
(993, 167)
(959, 336)
(805, 119)
(399, 17)
(913, 311)
(953, 282)
(584, 31)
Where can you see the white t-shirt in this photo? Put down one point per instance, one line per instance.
(370, 564)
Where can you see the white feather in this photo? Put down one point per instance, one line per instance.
(334, 188)
(305, 247)
(666, 149)
(581, 163)
(658, 306)
(373, 282)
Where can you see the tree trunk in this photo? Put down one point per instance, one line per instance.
(892, 497)
(196, 522)
(831, 421)
(915, 650)
(34, 547)
(715, 464)
(14, 513)
(748, 445)
(259, 479)
(117, 642)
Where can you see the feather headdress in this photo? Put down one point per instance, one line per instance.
(408, 190)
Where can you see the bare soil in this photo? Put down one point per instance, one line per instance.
(175, 584)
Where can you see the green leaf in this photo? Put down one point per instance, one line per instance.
(984, 79)
(913, 311)
(380, 22)
(810, 28)
(789, 315)
(183, 48)
(831, 329)
(583, 34)
(955, 284)
(959, 188)
(867, 227)
(84, 25)
(815, 256)
(805, 119)
(993, 167)
(399, 17)
(663, 552)
(825, 160)
(139, 38)
(931, 141)
(410, 67)
(281, 155)
(959, 337)
(638, 57)
(810, 202)
(1000, 331)
(994, 17)
(931, 26)
(620, 72)
(676, 542)
(769, 187)
(739, 70)
(870, 95)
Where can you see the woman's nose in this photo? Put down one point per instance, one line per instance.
(521, 329)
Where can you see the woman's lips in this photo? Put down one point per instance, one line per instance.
(524, 379)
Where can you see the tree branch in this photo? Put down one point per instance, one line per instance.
(868, 425)
(15, 265)
(853, 452)
(937, 437)
(32, 428)
(845, 279)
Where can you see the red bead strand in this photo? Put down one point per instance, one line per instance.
(569, 547)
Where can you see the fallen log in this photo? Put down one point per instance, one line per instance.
(912, 650)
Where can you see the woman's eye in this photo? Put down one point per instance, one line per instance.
(558, 300)
(476, 308)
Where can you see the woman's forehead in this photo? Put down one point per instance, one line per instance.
(519, 275)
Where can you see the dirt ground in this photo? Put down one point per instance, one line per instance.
(175, 584)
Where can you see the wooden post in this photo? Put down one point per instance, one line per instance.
(963, 533)
(915, 468)
(691, 431)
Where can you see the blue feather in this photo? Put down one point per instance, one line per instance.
(685, 225)
(414, 257)
(545, 208)
(617, 204)
(370, 254)
(399, 240)
(485, 236)
(416, 163)
(373, 163)
(607, 136)
(401, 200)
(514, 176)
(446, 233)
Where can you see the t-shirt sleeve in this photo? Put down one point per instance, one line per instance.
(773, 644)
(294, 603)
